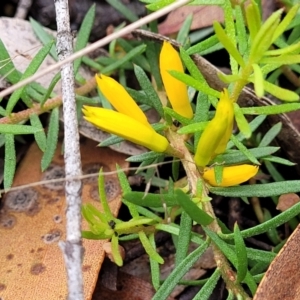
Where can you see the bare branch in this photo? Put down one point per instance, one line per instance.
(72, 247)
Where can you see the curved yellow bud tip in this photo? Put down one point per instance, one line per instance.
(233, 175)
(176, 90)
(125, 127)
(119, 98)
(216, 135)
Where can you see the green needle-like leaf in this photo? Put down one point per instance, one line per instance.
(32, 68)
(242, 260)
(52, 138)
(228, 45)
(10, 160)
(197, 214)
(148, 89)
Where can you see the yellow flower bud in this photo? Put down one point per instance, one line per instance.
(119, 98)
(216, 135)
(176, 90)
(126, 127)
(233, 175)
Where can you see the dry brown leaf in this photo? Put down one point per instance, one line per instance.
(203, 16)
(32, 222)
(282, 280)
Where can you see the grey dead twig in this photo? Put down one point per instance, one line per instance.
(72, 247)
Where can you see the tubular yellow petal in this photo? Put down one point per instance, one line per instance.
(116, 94)
(216, 135)
(233, 175)
(225, 110)
(125, 127)
(176, 90)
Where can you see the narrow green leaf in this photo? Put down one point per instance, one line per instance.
(263, 39)
(169, 111)
(272, 223)
(253, 18)
(287, 59)
(236, 156)
(84, 34)
(116, 251)
(144, 156)
(270, 135)
(150, 200)
(230, 254)
(148, 89)
(139, 60)
(154, 266)
(228, 9)
(184, 237)
(241, 121)
(196, 84)
(52, 85)
(227, 43)
(270, 110)
(258, 80)
(112, 140)
(259, 190)
(280, 93)
(44, 36)
(102, 196)
(149, 249)
(19, 129)
(289, 50)
(286, 21)
(126, 58)
(183, 34)
(203, 45)
(191, 66)
(279, 160)
(152, 54)
(272, 233)
(40, 137)
(207, 289)
(175, 169)
(242, 260)
(123, 9)
(260, 255)
(31, 69)
(232, 257)
(197, 214)
(159, 4)
(201, 114)
(175, 276)
(52, 138)
(244, 150)
(7, 68)
(125, 186)
(241, 30)
(10, 160)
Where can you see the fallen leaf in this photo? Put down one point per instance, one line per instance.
(203, 16)
(32, 221)
(282, 279)
(286, 201)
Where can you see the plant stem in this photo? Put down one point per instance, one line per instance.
(193, 175)
(37, 109)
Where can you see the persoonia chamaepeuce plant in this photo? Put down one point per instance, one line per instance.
(197, 132)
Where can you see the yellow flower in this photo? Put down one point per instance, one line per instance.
(176, 90)
(233, 175)
(126, 127)
(216, 135)
(119, 98)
